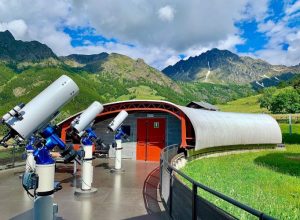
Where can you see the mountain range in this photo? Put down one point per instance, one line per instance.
(19, 51)
(216, 76)
(213, 66)
(28, 67)
(223, 66)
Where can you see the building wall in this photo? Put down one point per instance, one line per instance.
(205, 129)
(173, 132)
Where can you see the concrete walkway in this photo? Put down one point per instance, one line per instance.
(132, 194)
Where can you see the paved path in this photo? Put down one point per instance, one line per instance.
(128, 195)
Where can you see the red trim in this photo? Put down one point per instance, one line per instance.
(140, 109)
(130, 106)
(183, 130)
(64, 128)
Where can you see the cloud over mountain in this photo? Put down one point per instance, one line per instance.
(157, 31)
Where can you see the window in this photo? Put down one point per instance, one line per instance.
(126, 129)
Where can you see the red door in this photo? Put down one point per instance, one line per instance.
(150, 138)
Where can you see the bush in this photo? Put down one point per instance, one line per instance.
(285, 101)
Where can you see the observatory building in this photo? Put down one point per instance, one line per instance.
(153, 125)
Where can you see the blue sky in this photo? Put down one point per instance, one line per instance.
(160, 31)
(254, 40)
(82, 36)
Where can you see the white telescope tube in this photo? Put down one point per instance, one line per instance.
(118, 120)
(43, 107)
(79, 125)
(85, 119)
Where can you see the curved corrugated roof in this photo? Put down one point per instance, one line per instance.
(213, 129)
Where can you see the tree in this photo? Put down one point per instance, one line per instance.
(296, 84)
(265, 99)
(284, 102)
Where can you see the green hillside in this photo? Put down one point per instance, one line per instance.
(215, 93)
(24, 86)
(119, 78)
(103, 77)
(249, 104)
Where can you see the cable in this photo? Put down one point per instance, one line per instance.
(29, 196)
(90, 186)
(28, 193)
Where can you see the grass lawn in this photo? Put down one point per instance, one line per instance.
(249, 104)
(267, 180)
(294, 138)
(140, 92)
(6, 155)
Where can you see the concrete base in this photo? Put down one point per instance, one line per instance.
(113, 170)
(80, 192)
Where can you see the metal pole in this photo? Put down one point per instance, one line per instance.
(118, 158)
(160, 172)
(74, 167)
(194, 202)
(170, 194)
(14, 156)
(290, 124)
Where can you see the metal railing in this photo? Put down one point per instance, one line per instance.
(11, 157)
(199, 208)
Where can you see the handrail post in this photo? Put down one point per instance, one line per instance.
(170, 193)
(194, 202)
(160, 176)
(14, 155)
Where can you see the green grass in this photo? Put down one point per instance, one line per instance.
(294, 138)
(249, 104)
(215, 93)
(141, 92)
(267, 180)
(7, 154)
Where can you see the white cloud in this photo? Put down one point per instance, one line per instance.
(17, 27)
(166, 13)
(281, 33)
(42, 19)
(292, 8)
(194, 22)
(192, 28)
(159, 29)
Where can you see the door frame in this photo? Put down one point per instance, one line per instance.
(146, 143)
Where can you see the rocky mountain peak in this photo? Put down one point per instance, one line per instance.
(223, 66)
(20, 51)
